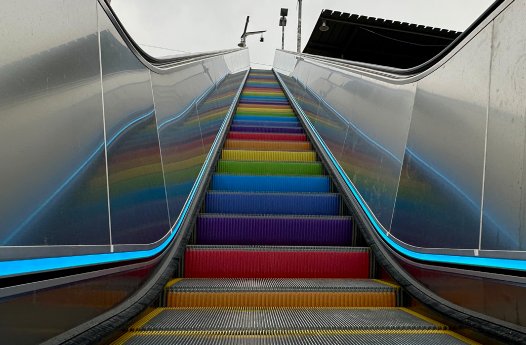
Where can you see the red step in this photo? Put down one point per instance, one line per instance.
(276, 262)
(267, 136)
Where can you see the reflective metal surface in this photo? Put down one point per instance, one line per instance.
(214, 107)
(53, 169)
(82, 170)
(441, 181)
(504, 223)
(136, 183)
(179, 131)
(459, 189)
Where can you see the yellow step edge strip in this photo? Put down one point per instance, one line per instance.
(425, 318)
(275, 156)
(287, 299)
(386, 283)
(173, 282)
(146, 318)
(225, 334)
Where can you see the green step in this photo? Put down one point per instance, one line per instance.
(269, 168)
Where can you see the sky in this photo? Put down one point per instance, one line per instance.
(173, 27)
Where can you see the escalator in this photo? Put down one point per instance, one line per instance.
(273, 258)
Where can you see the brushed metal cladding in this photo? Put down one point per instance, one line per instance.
(237, 61)
(379, 115)
(439, 197)
(284, 62)
(213, 109)
(53, 171)
(307, 101)
(179, 130)
(298, 82)
(139, 213)
(328, 122)
(504, 195)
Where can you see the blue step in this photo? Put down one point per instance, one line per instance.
(272, 203)
(250, 183)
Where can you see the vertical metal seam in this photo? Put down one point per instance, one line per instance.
(483, 187)
(160, 152)
(403, 158)
(199, 124)
(104, 128)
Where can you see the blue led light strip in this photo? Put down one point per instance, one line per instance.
(439, 258)
(17, 267)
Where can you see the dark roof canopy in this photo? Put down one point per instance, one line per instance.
(375, 40)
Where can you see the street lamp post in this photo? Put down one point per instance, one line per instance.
(283, 23)
(244, 35)
(299, 26)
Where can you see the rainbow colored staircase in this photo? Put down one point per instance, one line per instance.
(273, 260)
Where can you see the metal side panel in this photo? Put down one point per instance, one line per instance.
(441, 181)
(53, 169)
(504, 195)
(139, 214)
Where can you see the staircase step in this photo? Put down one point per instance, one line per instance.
(276, 262)
(254, 101)
(266, 118)
(276, 230)
(261, 145)
(254, 183)
(269, 168)
(266, 123)
(273, 129)
(272, 203)
(272, 320)
(279, 293)
(267, 136)
(273, 156)
(318, 337)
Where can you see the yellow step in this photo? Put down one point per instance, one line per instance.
(275, 156)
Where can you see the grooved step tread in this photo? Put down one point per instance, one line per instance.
(267, 145)
(274, 183)
(250, 320)
(409, 337)
(272, 203)
(275, 262)
(269, 168)
(274, 156)
(280, 299)
(224, 229)
(267, 136)
(278, 285)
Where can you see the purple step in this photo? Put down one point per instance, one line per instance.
(222, 229)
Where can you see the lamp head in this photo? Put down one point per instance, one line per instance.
(324, 26)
